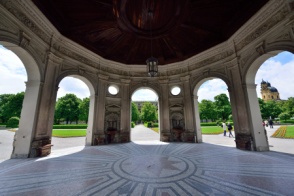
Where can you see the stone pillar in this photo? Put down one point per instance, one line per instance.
(23, 136)
(125, 111)
(243, 113)
(163, 104)
(198, 134)
(99, 135)
(260, 142)
(91, 119)
(46, 109)
(188, 110)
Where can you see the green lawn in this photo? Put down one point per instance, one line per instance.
(205, 130)
(289, 132)
(155, 129)
(69, 132)
(212, 130)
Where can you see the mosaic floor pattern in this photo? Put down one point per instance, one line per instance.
(150, 169)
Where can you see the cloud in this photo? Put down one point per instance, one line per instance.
(144, 95)
(211, 88)
(278, 71)
(13, 74)
(74, 86)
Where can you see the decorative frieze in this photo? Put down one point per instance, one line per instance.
(263, 28)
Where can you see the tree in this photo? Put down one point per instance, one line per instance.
(148, 112)
(284, 116)
(288, 106)
(223, 106)
(84, 109)
(135, 113)
(12, 106)
(4, 98)
(272, 109)
(207, 110)
(67, 108)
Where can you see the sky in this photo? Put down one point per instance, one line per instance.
(278, 70)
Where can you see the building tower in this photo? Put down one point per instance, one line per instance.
(269, 92)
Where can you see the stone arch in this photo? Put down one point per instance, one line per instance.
(27, 124)
(152, 88)
(196, 85)
(87, 79)
(258, 133)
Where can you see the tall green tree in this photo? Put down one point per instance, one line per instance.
(148, 112)
(12, 106)
(223, 106)
(135, 112)
(207, 110)
(4, 98)
(272, 109)
(67, 108)
(84, 109)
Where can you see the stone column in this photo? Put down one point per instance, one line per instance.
(99, 135)
(246, 112)
(47, 106)
(23, 136)
(91, 119)
(163, 104)
(198, 134)
(125, 111)
(188, 110)
(258, 131)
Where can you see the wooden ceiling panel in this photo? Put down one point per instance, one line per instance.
(121, 30)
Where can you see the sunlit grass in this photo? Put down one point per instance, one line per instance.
(155, 129)
(212, 130)
(69, 133)
(290, 132)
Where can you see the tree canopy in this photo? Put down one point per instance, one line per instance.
(148, 112)
(135, 113)
(67, 108)
(10, 105)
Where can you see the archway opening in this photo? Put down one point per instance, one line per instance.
(20, 83)
(272, 100)
(72, 111)
(213, 112)
(145, 115)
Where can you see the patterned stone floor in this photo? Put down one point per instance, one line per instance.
(150, 168)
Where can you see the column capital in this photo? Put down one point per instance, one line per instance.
(54, 59)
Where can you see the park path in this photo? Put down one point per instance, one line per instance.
(142, 133)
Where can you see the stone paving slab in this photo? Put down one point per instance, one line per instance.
(145, 168)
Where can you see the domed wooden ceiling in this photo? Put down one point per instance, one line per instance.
(121, 30)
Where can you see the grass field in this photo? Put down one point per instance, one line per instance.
(205, 130)
(69, 133)
(290, 132)
(212, 130)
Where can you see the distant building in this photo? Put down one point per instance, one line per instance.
(269, 92)
(140, 104)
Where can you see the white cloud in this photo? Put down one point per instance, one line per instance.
(74, 86)
(13, 74)
(211, 88)
(144, 95)
(279, 75)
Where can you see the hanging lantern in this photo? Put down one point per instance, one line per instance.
(152, 66)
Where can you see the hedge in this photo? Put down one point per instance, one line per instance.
(213, 124)
(70, 126)
(287, 121)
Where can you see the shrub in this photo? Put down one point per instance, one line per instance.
(209, 124)
(13, 122)
(132, 124)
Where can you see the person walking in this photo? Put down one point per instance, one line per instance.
(271, 123)
(224, 128)
(230, 128)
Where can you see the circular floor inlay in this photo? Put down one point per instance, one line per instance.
(154, 168)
